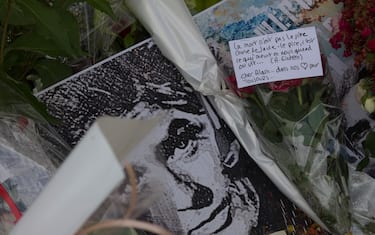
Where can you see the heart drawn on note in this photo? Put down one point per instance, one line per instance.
(304, 65)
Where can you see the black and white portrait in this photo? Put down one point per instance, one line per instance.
(195, 176)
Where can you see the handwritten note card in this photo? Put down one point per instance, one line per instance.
(275, 57)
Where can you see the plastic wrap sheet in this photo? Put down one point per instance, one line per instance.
(173, 30)
(362, 194)
(30, 152)
(86, 178)
(98, 31)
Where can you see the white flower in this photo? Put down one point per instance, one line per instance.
(360, 90)
(369, 104)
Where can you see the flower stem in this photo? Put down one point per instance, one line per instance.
(257, 101)
(5, 31)
(299, 92)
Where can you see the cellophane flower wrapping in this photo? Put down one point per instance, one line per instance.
(30, 153)
(298, 123)
(119, 202)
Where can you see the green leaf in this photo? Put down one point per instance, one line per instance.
(370, 58)
(306, 131)
(36, 43)
(14, 58)
(316, 91)
(14, 97)
(102, 5)
(199, 5)
(129, 40)
(337, 168)
(317, 118)
(49, 19)
(52, 71)
(287, 128)
(272, 133)
(20, 63)
(17, 16)
(255, 111)
(363, 163)
(369, 144)
(130, 232)
(64, 3)
(287, 107)
(71, 27)
(331, 166)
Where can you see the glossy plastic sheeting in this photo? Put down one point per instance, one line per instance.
(171, 26)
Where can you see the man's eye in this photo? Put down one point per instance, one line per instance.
(181, 145)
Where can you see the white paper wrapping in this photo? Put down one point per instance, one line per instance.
(173, 30)
(171, 26)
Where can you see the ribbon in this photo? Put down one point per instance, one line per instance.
(12, 205)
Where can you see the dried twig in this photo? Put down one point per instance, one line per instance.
(133, 184)
(126, 222)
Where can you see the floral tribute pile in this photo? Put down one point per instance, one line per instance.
(356, 33)
(298, 124)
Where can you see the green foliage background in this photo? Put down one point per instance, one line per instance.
(38, 39)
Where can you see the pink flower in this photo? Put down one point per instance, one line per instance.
(366, 32)
(283, 86)
(371, 45)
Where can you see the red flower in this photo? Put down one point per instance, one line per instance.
(232, 81)
(371, 45)
(347, 53)
(372, 10)
(344, 25)
(283, 86)
(239, 91)
(366, 32)
(23, 122)
(280, 86)
(335, 40)
(248, 90)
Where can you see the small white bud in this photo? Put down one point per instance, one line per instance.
(369, 104)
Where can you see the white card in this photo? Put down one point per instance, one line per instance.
(275, 57)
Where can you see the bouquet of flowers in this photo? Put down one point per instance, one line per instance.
(296, 122)
(356, 31)
(298, 126)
